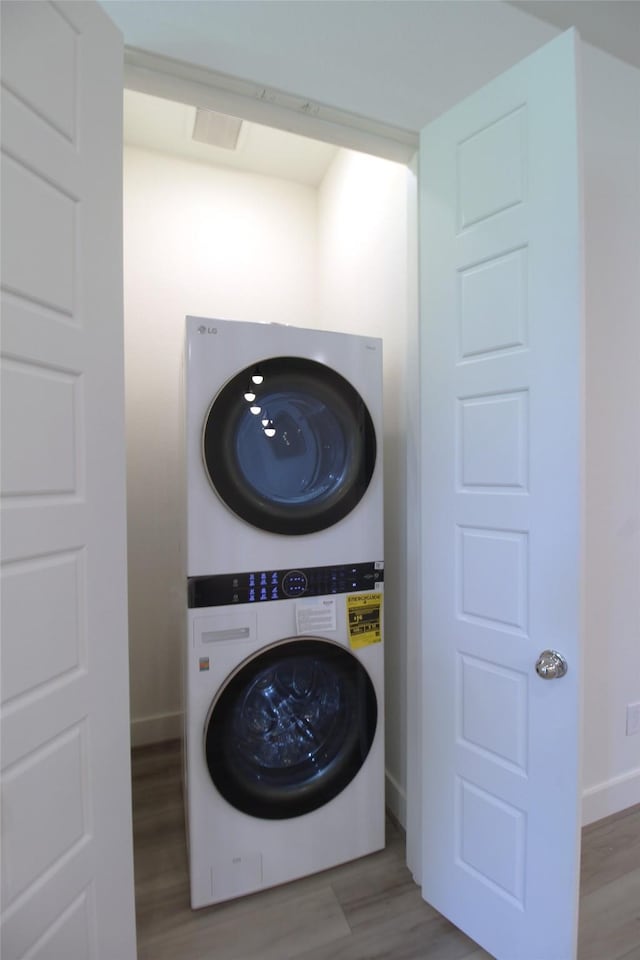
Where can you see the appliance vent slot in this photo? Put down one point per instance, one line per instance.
(234, 633)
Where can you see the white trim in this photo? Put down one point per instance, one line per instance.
(186, 83)
(611, 796)
(395, 799)
(156, 729)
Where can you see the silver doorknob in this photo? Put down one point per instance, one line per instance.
(551, 665)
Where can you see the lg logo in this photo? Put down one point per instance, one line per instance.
(204, 329)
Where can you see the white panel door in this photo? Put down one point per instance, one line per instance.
(501, 361)
(67, 878)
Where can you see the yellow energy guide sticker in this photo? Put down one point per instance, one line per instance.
(364, 616)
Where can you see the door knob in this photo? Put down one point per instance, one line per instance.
(551, 665)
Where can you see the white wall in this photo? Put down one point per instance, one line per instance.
(611, 111)
(203, 241)
(363, 288)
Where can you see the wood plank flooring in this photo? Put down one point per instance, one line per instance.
(366, 910)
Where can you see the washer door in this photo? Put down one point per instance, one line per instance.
(290, 728)
(293, 453)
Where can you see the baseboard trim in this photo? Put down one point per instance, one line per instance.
(156, 729)
(396, 799)
(611, 796)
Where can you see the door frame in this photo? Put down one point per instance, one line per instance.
(176, 80)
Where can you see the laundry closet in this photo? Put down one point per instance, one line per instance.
(334, 254)
(308, 235)
(290, 253)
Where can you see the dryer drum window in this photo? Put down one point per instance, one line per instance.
(291, 728)
(292, 453)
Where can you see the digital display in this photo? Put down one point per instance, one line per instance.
(262, 586)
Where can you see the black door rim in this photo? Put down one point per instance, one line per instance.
(342, 435)
(239, 753)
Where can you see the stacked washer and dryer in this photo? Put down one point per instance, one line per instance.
(284, 729)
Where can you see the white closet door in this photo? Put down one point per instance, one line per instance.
(501, 372)
(67, 877)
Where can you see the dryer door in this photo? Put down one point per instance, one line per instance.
(291, 728)
(289, 445)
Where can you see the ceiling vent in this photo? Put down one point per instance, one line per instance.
(216, 129)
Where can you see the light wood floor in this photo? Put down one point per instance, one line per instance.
(367, 910)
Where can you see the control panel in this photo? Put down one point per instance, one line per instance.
(261, 586)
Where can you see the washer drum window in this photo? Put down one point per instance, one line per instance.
(291, 728)
(293, 453)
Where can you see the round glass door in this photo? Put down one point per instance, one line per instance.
(289, 445)
(291, 728)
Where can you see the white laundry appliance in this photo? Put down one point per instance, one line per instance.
(284, 725)
(284, 757)
(283, 447)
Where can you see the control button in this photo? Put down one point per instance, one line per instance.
(294, 583)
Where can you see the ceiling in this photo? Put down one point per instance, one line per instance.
(418, 57)
(612, 25)
(167, 126)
